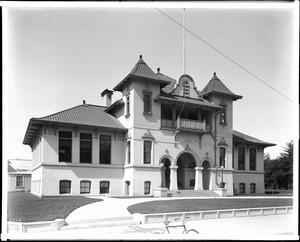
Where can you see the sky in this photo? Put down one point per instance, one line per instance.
(56, 57)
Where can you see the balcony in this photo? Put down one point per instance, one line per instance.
(186, 125)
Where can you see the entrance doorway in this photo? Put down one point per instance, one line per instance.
(206, 175)
(166, 173)
(186, 172)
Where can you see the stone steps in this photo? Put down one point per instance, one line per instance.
(191, 193)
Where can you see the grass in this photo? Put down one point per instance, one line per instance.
(25, 207)
(187, 205)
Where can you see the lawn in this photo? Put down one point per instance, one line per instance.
(186, 205)
(25, 207)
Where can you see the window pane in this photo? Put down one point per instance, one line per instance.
(104, 187)
(241, 158)
(19, 181)
(85, 187)
(64, 186)
(147, 152)
(222, 156)
(147, 103)
(85, 148)
(252, 159)
(147, 186)
(65, 146)
(105, 149)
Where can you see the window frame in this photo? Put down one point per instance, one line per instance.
(65, 187)
(147, 99)
(222, 162)
(242, 164)
(128, 152)
(110, 149)
(144, 151)
(242, 188)
(147, 189)
(107, 188)
(85, 187)
(252, 163)
(18, 181)
(80, 148)
(252, 187)
(61, 139)
(127, 106)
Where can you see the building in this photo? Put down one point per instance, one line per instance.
(19, 175)
(162, 134)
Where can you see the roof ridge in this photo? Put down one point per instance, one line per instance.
(68, 109)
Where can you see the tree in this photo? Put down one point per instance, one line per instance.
(279, 172)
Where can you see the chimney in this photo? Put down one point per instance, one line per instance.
(106, 94)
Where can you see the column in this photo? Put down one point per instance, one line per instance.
(173, 177)
(198, 178)
(163, 177)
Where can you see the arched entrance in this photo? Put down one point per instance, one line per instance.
(166, 173)
(206, 175)
(186, 172)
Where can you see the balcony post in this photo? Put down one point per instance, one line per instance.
(173, 116)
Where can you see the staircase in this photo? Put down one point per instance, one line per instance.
(191, 193)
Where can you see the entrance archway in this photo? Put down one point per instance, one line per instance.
(166, 173)
(206, 175)
(186, 172)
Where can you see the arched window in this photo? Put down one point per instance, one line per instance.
(147, 186)
(64, 186)
(186, 89)
(85, 187)
(104, 187)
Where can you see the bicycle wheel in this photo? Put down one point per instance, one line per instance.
(192, 231)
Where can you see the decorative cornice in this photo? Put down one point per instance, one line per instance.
(222, 142)
(148, 135)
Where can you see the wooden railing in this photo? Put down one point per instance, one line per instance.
(186, 124)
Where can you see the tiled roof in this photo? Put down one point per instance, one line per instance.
(193, 101)
(82, 115)
(141, 69)
(215, 85)
(116, 104)
(239, 137)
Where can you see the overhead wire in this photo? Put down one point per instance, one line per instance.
(227, 57)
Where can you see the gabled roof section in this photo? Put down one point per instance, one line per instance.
(141, 70)
(87, 115)
(170, 87)
(216, 86)
(19, 166)
(239, 137)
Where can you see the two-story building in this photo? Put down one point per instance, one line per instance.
(162, 133)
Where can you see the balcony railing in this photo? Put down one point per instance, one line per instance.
(186, 124)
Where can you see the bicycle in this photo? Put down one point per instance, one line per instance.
(185, 230)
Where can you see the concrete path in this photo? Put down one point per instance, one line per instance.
(270, 227)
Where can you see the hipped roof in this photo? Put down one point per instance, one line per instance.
(239, 137)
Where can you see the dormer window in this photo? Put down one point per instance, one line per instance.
(186, 89)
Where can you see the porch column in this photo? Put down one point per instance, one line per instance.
(198, 178)
(163, 177)
(173, 178)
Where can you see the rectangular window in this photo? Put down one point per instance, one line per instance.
(147, 103)
(252, 188)
(85, 148)
(242, 188)
(19, 181)
(64, 186)
(222, 156)
(104, 187)
(147, 186)
(105, 149)
(147, 152)
(85, 187)
(128, 152)
(252, 159)
(167, 116)
(65, 146)
(128, 104)
(241, 158)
